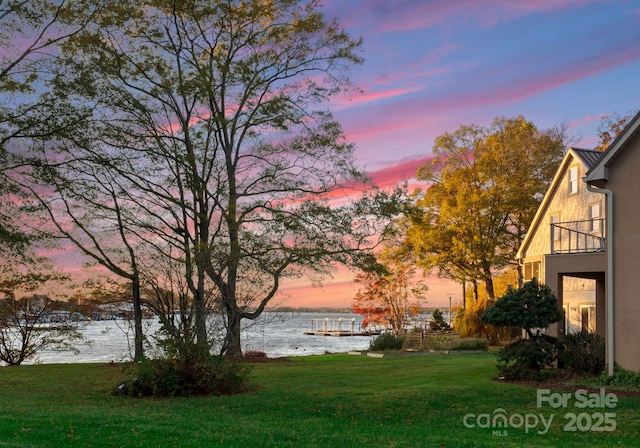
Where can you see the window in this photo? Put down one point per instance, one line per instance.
(594, 216)
(573, 180)
(532, 270)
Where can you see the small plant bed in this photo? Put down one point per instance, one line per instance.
(416, 344)
(254, 356)
(447, 342)
(396, 354)
(419, 344)
(387, 342)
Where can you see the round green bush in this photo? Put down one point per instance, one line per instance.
(386, 341)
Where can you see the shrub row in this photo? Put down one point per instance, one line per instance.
(579, 353)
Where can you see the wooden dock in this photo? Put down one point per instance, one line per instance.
(341, 333)
(338, 327)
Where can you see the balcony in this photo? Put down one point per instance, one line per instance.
(578, 237)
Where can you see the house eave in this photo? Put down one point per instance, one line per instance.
(598, 176)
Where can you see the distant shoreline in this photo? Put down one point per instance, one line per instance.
(306, 309)
(323, 309)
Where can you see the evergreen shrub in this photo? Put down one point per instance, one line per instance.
(582, 353)
(385, 342)
(187, 376)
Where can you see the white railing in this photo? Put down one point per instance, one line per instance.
(334, 325)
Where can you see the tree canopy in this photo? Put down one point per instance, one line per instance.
(610, 127)
(485, 187)
(389, 296)
(30, 32)
(204, 140)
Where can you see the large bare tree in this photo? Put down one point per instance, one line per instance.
(211, 113)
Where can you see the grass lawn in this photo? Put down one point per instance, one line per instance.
(315, 401)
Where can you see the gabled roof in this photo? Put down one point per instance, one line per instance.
(600, 170)
(588, 158)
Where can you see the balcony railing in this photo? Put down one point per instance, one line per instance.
(576, 237)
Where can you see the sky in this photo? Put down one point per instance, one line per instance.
(431, 66)
(434, 65)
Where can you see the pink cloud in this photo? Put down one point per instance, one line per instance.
(365, 131)
(419, 67)
(410, 15)
(563, 74)
(419, 110)
(395, 174)
(338, 293)
(364, 98)
(385, 178)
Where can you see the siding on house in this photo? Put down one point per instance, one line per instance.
(568, 207)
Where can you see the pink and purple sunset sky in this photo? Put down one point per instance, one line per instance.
(433, 65)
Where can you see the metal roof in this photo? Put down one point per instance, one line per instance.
(588, 156)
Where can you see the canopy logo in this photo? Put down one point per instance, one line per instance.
(499, 421)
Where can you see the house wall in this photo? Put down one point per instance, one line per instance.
(571, 277)
(624, 181)
(569, 207)
(558, 270)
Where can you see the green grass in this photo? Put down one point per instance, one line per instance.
(316, 401)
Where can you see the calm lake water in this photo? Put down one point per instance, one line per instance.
(277, 334)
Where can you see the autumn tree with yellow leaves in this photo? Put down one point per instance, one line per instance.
(485, 187)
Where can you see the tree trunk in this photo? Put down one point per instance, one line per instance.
(201, 314)
(231, 346)
(464, 294)
(475, 291)
(520, 276)
(488, 285)
(138, 353)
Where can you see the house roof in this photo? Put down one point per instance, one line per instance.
(600, 170)
(588, 158)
